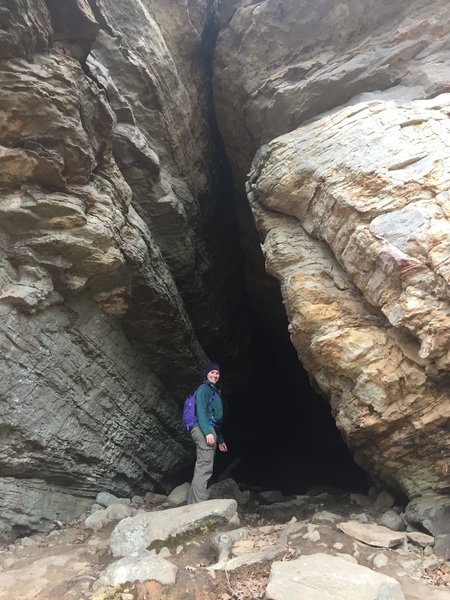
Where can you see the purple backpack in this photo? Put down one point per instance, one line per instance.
(189, 417)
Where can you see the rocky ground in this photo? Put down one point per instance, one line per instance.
(256, 545)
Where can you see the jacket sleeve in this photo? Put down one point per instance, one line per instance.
(220, 439)
(201, 402)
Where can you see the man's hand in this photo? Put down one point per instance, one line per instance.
(210, 439)
(223, 447)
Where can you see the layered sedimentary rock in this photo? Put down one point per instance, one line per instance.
(107, 184)
(116, 249)
(353, 209)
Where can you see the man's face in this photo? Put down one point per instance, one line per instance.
(213, 376)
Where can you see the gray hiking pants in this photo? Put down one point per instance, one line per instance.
(203, 467)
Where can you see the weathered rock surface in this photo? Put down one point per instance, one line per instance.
(277, 66)
(96, 414)
(139, 532)
(373, 535)
(361, 259)
(351, 209)
(114, 250)
(318, 576)
(141, 567)
(69, 562)
(107, 184)
(433, 514)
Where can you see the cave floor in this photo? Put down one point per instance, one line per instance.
(64, 564)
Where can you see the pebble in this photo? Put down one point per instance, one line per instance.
(9, 562)
(26, 541)
(380, 560)
(312, 536)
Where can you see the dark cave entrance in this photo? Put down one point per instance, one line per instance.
(280, 432)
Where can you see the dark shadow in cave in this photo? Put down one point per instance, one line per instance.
(281, 430)
(278, 427)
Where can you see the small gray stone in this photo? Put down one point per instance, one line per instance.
(26, 541)
(420, 539)
(97, 520)
(374, 535)
(324, 516)
(164, 552)
(105, 499)
(228, 488)
(361, 500)
(228, 538)
(359, 517)
(312, 536)
(271, 496)
(393, 521)
(380, 560)
(152, 498)
(117, 512)
(179, 495)
(384, 501)
(224, 541)
(284, 511)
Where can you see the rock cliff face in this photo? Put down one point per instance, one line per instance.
(108, 187)
(352, 208)
(117, 249)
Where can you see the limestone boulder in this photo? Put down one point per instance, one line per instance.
(373, 535)
(140, 532)
(432, 513)
(142, 566)
(357, 241)
(319, 575)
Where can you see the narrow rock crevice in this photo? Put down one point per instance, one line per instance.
(132, 251)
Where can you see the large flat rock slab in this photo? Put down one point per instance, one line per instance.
(373, 535)
(140, 532)
(142, 567)
(323, 577)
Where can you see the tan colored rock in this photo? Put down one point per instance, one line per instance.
(374, 535)
(242, 547)
(357, 242)
(420, 539)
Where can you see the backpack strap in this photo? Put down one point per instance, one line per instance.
(211, 398)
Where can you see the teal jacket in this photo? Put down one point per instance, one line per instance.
(209, 417)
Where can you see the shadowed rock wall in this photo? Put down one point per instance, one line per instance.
(108, 289)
